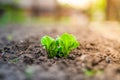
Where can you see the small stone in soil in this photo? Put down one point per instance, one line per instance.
(118, 71)
(6, 49)
(108, 60)
(72, 57)
(28, 60)
(0, 50)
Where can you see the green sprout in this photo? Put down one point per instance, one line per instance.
(92, 72)
(14, 61)
(29, 71)
(9, 37)
(61, 46)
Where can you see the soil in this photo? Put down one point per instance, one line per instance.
(23, 57)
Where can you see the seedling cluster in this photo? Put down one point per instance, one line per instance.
(61, 46)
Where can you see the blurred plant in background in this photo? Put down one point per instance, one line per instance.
(98, 9)
(60, 11)
(10, 12)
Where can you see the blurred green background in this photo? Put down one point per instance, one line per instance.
(58, 11)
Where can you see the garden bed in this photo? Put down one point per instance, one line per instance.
(23, 58)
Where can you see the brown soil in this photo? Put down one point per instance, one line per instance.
(23, 58)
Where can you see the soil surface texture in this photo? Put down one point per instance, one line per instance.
(23, 58)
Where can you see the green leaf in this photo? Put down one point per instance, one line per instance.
(46, 41)
(68, 42)
(89, 72)
(9, 37)
(53, 49)
(61, 46)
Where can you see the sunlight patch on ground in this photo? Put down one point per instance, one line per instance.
(110, 30)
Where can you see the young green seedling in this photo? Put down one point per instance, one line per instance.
(67, 42)
(50, 45)
(61, 46)
(90, 73)
(9, 37)
(14, 61)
